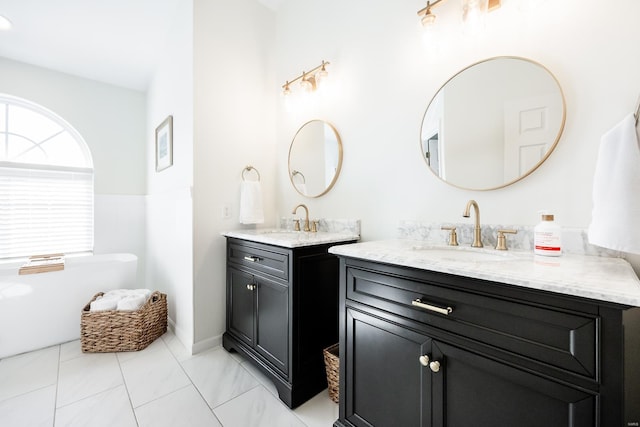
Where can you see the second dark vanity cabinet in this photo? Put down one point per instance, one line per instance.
(282, 311)
(490, 355)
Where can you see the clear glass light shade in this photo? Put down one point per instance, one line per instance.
(321, 77)
(306, 85)
(428, 19)
(473, 14)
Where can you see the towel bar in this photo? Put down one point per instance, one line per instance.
(248, 169)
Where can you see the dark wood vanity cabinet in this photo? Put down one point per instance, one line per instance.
(282, 311)
(490, 355)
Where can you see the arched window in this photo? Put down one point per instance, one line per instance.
(46, 183)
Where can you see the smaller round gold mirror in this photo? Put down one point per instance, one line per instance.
(315, 158)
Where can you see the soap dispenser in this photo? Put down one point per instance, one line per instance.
(547, 236)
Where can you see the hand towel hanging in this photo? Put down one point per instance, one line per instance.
(251, 210)
(616, 190)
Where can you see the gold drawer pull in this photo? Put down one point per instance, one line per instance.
(441, 310)
(252, 258)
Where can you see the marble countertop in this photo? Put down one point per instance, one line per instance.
(291, 239)
(600, 278)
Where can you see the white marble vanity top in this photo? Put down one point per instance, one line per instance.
(599, 278)
(291, 239)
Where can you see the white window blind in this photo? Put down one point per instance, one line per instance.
(45, 211)
(46, 183)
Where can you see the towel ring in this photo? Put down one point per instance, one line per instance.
(249, 169)
(294, 173)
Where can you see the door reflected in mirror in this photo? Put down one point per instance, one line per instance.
(315, 158)
(493, 123)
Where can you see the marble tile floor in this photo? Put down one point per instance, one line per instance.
(159, 386)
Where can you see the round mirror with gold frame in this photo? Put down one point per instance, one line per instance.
(493, 123)
(315, 158)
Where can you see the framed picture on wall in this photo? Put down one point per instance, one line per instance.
(164, 144)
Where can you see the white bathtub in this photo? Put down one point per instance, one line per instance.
(40, 310)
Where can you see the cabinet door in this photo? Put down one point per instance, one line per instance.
(386, 385)
(272, 322)
(469, 389)
(240, 303)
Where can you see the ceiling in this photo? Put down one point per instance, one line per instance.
(115, 41)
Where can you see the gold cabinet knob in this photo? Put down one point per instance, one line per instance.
(424, 360)
(434, 366)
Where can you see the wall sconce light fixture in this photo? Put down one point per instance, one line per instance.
(309, 80)
(470, 8)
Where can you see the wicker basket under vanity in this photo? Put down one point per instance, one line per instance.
(111, 330)
(332, 365)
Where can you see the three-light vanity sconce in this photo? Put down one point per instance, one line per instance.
(471, 10)
(309, 80)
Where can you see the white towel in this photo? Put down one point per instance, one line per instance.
(121, 293)
(616, 190)
(251, 211)
(102, 303)
(131, 302)
(121, 299)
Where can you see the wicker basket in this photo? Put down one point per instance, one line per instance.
(111, 330)
(332, 365)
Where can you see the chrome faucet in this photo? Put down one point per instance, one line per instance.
(477, 236)
(306, 219)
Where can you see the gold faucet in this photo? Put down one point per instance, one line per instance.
(306, 219)
(477, 237)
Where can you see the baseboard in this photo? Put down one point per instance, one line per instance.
(182, 336)
(207, 344)
(186, 340)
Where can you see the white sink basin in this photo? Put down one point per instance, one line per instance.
(463, 254)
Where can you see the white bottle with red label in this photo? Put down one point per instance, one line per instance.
(547, 236)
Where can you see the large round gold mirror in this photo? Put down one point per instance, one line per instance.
(315, 158)
(493, 123)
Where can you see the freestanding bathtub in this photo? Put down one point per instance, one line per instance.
(43, 309)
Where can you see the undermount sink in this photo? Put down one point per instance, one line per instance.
(463, 254)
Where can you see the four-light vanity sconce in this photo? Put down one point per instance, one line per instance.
(472, 10)
(309, 80)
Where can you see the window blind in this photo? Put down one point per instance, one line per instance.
(45, 210)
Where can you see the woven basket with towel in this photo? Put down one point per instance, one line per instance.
(113, 330)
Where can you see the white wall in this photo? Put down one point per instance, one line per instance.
(169, 224)
(234, 96)
(384, 77)
(112, 122)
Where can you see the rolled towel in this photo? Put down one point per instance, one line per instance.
(131, 303)
(102, 303)
(122, 293)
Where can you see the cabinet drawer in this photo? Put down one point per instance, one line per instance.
(561, 339)
(260, 258)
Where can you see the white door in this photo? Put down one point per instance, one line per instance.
(531, 127)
